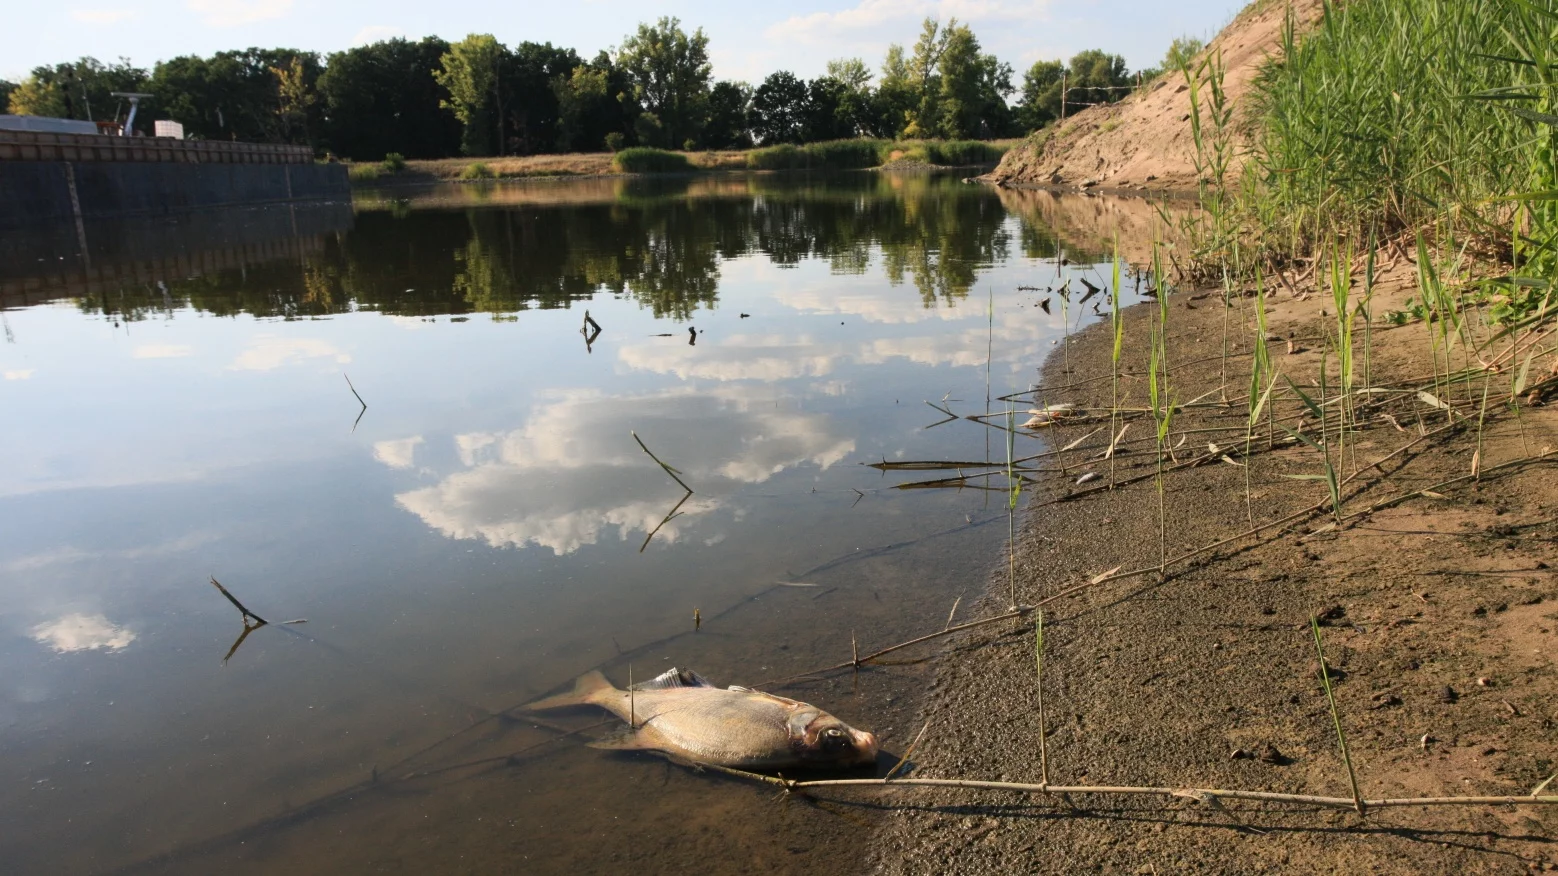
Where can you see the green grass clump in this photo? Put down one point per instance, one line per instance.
(364, 172)
(642, 159)
(394, 162)
(828, 154)
(861, 153)
(960, 153)
(478, 170)
(1394, 111)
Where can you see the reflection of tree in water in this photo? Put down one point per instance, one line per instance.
(659, 245)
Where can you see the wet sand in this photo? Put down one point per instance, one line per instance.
(1442, 620)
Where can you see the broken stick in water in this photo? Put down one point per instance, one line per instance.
(668, 470)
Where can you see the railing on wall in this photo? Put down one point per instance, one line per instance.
(38, 146)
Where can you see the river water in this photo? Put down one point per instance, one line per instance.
(177, 408)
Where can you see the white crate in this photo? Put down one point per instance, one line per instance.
(164, 128)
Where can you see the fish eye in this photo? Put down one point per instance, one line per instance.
(834, 739)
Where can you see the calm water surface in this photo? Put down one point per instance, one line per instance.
(175, 409)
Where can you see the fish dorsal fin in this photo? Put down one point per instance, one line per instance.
(674, 678)
(739, 689)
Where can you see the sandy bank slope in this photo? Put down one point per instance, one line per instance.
(1441, 620)
(1144, 141)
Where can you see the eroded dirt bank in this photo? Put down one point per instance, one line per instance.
(1144, 142)
(1441, 624)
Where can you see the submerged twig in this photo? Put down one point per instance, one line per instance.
(247, 614)
(668, 470)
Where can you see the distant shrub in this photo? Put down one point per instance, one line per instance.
(829, 154)
(785, 156)
(643, 159)
(689, 145)
(394, 162)
(479, 170)
(956, 153)
(364, 172)
(615, 141)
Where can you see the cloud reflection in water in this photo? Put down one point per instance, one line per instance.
(572, 470)
(82, 632)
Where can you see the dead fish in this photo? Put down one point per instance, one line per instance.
(1049, 415)
(682, 715)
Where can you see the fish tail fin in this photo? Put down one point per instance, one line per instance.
(591, 688)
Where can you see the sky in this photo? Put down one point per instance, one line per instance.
(746, 41)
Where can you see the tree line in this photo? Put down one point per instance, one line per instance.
(433, 99)
(658, 243)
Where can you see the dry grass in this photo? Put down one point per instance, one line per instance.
(575, 164)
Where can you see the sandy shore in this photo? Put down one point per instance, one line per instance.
(1441, 625)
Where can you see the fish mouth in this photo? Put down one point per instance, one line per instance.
(865, 745)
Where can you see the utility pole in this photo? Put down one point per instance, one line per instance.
(1062, 95)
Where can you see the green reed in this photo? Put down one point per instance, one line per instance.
(1117, 323)
(1336, 716)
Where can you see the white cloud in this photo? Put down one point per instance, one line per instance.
(20, 374)
(572, 471)
(376, 33)
(82, 632)
(399, 453)
(233, 13)
(268, 352)
(162, 351)
(869, 25)
(866, 15)
(102, 16)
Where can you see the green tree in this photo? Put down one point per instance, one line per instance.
(295, 99)
(38, 96)
(471, 72)
(577, 94)
(829, 111)
(532, 111)
(6, 90)
(80, 90)
(971, 97)
(1095, 77)
(236, 95)
(856, 110)
(923, 77)
(729, 109)
(383, 98)
(779, 109)
(853, 72)
(896, 96)
(1181, 51)
(671, 76)
(1040, 102)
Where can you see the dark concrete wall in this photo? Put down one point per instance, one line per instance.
(33, 192)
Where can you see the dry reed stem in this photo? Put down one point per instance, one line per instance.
(1199, 794)
(907, 752)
